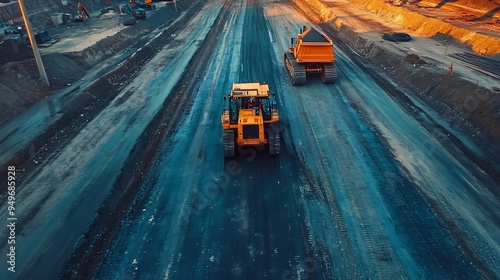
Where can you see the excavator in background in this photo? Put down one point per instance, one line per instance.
(248, 118)
(311, 52)
(82, 13)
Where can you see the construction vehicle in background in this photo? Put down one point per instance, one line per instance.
(248, 119)
(17, 33)
(311, 52)
(146, 4)
(129, 15)
(139, 13)
(82, 13)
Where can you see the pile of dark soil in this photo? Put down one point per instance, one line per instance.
(12, 51)
(414, 59)
(21, 85)
(448, 40)
(61, 70)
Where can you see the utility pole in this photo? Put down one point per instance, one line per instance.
(34, 46)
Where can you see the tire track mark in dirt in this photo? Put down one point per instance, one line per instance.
(70, 125)
(438, 234)
(408, 220)
(88, 257)
(451, 143)
(476, 164)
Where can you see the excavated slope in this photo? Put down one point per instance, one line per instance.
(422, 25)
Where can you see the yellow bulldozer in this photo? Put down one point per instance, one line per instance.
(311, 52)
(248, 119)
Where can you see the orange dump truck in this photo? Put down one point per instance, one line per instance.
(311, 52)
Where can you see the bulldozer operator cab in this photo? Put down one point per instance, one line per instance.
(247, 116)
(242, 100)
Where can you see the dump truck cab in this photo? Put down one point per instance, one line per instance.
(247, 118)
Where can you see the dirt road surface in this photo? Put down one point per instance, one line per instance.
(135, 185)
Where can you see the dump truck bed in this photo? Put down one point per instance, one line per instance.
(314, 47)
(311, 53)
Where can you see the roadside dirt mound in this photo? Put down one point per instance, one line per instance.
(414, 59)
(430, 26)
(450, 41)
(465, 105)
(23, 77)
(61, 70)
(485, 5)
(107, 47)
(12, 50)
(316, 11)
(18, 86)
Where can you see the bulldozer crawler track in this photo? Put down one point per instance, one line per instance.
(274, 142)
(296, 71)
(228, 142)
(329, 74)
